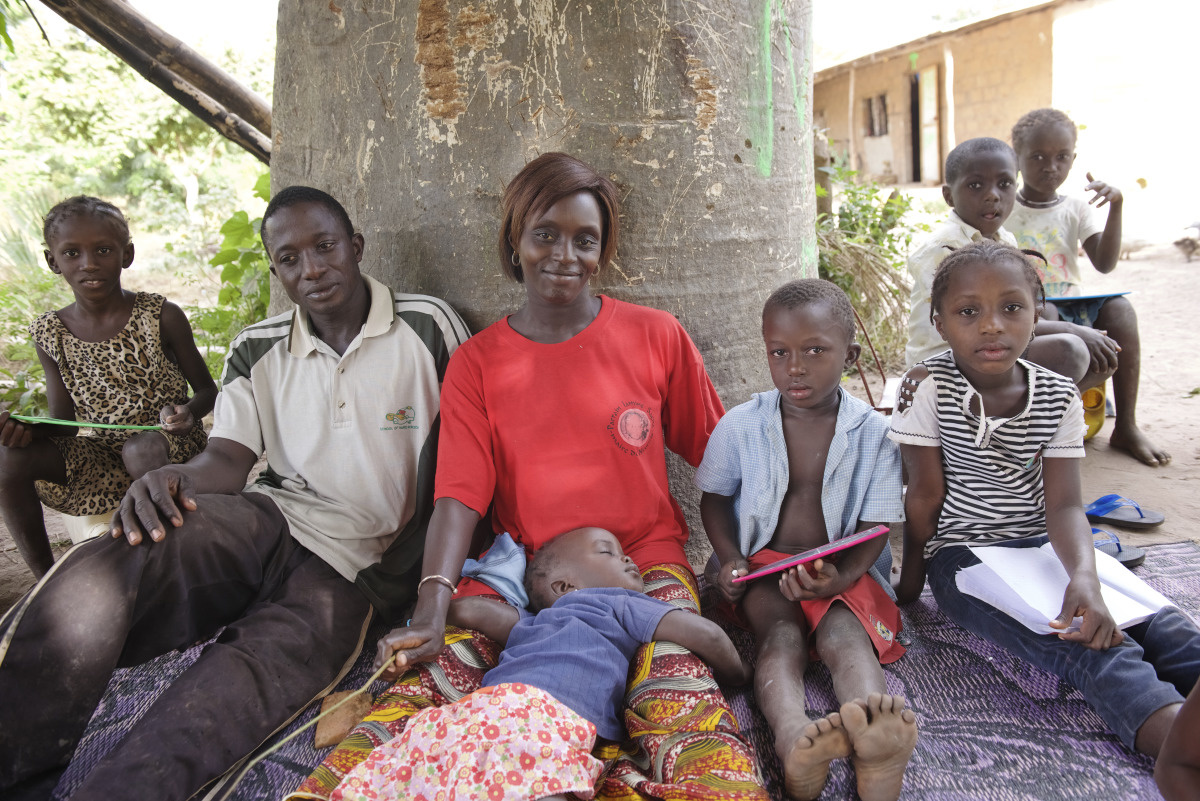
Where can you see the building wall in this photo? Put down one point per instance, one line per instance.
(1125, 73)
(999, 71)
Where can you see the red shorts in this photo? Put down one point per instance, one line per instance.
(877, 612)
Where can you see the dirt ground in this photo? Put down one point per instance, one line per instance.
(1159, 278)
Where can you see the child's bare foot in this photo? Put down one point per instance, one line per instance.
(1131, 440)
(806, 764)
(882, 735)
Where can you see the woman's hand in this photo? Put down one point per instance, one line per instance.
(416, 642)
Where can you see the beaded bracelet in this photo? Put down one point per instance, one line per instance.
(437, 578)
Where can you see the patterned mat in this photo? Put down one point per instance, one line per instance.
(991, 727)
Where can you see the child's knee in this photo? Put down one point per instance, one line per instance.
(780, 637)
(1118, 317)
(1065, 354)
(144, 452)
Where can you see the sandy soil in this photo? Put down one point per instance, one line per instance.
(1168, 413)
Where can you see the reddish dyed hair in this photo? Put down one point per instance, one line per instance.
(539, 185)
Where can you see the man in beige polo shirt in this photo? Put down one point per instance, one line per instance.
(342, 395)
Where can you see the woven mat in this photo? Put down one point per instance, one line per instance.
(991, 726)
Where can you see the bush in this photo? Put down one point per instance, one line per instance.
(29, 289)
(862, 248)
(245, 284)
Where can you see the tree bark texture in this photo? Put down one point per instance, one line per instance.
(415, 113)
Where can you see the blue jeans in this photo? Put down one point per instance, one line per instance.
(1156, 665)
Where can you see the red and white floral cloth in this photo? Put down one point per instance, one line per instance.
(501, 743)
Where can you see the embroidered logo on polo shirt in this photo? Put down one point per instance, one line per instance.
(402, 418)
(630, 427)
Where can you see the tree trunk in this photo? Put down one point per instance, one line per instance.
(415, 113)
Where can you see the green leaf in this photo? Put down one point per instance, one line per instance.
(262, 187)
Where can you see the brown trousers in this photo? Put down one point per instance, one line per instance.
(291, 622)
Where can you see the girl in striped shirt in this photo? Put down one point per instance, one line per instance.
(992, 444)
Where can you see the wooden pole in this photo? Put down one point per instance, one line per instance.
(163, 48)
(212, 111)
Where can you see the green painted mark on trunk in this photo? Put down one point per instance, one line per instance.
(762, 122)
(761, 109)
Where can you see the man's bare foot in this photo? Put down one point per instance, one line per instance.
(1131, 440)
(883, 733)
(806, 764)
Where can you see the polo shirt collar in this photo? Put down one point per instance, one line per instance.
(380, 315)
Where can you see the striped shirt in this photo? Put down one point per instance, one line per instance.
(992, 465)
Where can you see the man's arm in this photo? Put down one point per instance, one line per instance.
(221, 468)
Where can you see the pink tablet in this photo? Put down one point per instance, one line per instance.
(816, 553)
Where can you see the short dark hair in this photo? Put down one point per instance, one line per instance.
(990, 252)
(537, 571)
(1038, 118)
(78, 206)
(960, 157)
(295, 195)
(811, 292)
(539, 185)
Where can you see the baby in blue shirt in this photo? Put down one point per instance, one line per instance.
(557, 688)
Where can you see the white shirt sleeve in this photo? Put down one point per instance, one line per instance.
(918, 424)
(1067, 442)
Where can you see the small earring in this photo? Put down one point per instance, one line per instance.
(516, 262)
(1032, 335)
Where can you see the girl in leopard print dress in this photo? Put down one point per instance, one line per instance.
(112, 356)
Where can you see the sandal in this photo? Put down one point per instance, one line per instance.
(1114, 510)
(1128, 555)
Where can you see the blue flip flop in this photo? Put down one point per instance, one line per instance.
(1127, 555)
(1114, 510)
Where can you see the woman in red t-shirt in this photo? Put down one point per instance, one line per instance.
(558, 417)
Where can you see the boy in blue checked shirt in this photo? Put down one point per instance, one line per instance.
(789, 470)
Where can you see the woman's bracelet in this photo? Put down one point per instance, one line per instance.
(438, 579)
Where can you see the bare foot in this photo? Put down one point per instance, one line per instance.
(882, 735)
(1131, 440)
(806, 764)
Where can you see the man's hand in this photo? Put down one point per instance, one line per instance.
(156, 495)
(176, 419)
(13, 433)
(1098, 630)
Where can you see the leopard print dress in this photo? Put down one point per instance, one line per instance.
(125, 380)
